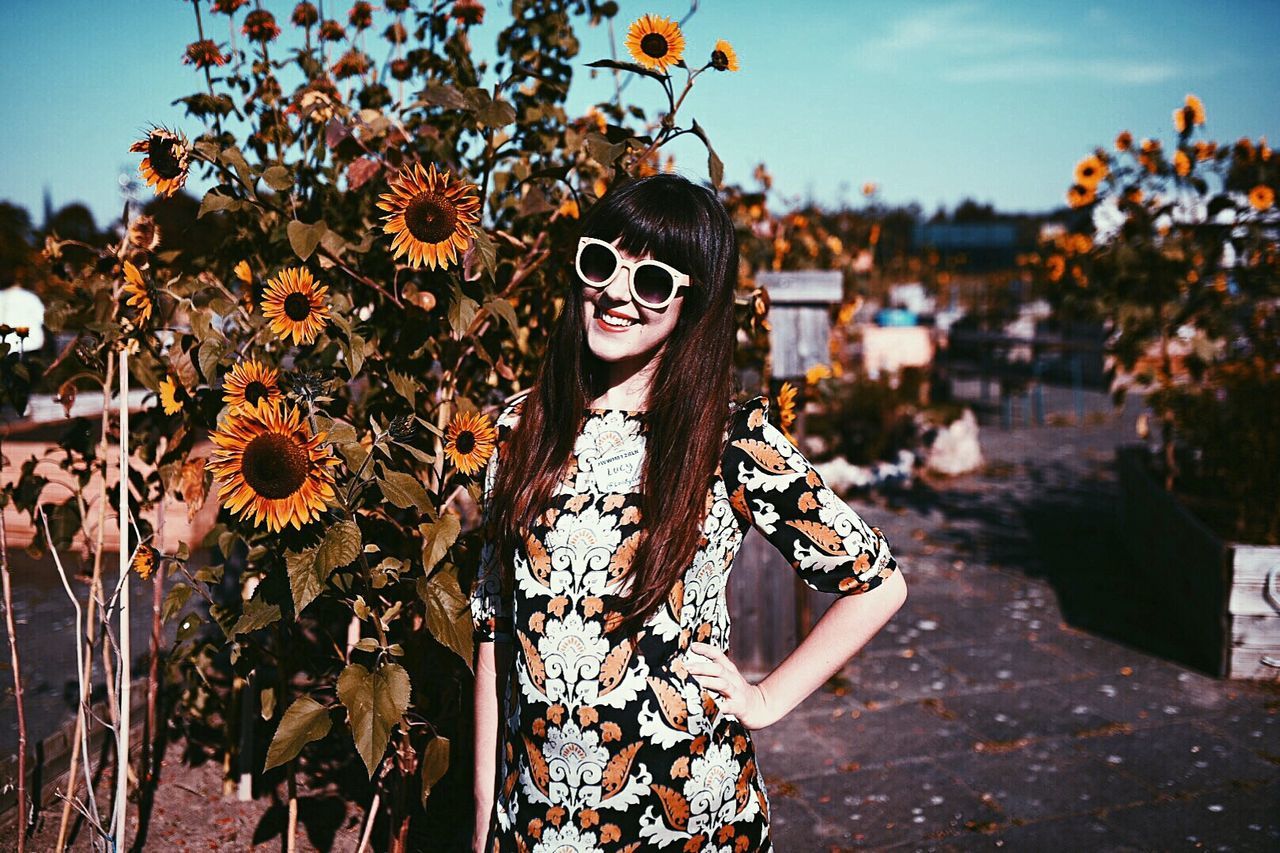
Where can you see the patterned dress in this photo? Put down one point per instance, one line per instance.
(608, 750)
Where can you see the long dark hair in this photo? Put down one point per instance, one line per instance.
(683, 224)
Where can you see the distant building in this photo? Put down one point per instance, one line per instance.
(984, 245)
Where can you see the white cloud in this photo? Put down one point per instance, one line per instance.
(971, 46)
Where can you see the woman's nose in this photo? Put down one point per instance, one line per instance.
(619, 287)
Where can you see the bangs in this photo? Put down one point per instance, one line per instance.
(668, 223)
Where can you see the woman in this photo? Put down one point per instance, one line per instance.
(626, 726)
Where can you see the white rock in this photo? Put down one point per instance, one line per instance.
(956, 449)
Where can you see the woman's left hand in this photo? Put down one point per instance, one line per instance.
(737, 696)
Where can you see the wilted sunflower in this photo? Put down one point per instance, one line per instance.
(1262, 197)
(430, 216)
(144, 561)
(1079, 195)
(353, 63)
(331, 30)
(144, 234)
(272, 466)
(167, 162)
(305, 14)
(361, 15)
(655, 42)
(169, 396)
(260, 25)
(1124, 141)
(468, 12)
(469, 441)
(228, 7)
(249, 382)
(296, 305)
(140, 297)
(787, 408)
(1090, 171)
(204, 54)
(723, 57)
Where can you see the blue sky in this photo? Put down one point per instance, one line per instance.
(933, 101)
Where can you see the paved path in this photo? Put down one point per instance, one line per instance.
(1024, 698)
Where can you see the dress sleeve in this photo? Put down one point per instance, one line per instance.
(490, 609)
(775, 489)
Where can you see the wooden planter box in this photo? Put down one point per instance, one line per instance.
(1224, 597)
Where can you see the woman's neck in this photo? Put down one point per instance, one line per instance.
(629, 384)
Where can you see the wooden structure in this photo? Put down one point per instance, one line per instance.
(800, 318)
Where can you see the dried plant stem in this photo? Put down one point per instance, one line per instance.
(83, 663)
(368, 825)
(11, 627)
(90, 623)
(153, 664)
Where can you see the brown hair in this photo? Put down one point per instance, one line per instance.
(685, 225)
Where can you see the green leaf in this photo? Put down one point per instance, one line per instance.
(445, 95)
(233, 158)
(278, 178)
(462, 310)
(305, 721)
(368, 644)
(488, 251)
(633, 67)
(375, 702)
(214, 201)
(714, 167)
(435, 761)
(501, 307)
(341, 545)
(304, 238)
(496, 114)
(341, 432)
(448, 613)
(406, 386)
(355, 453)
(256, 614)
(211, 352)
(403, 490)
(305, 580)
(353, 354)
(437, 538)
(175, 599)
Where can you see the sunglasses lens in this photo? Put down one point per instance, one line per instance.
(653, 283)
(597, 264)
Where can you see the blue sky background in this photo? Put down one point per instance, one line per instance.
(934, 101)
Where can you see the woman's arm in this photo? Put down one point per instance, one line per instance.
(849, 623)
(493, 662)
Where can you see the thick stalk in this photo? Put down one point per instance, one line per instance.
(120, 826)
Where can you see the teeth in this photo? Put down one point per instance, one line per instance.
(616, 321)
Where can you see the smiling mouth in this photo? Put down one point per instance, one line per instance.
(616, 320)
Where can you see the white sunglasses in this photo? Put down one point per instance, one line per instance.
(653, 284)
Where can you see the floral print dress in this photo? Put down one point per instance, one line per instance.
(608, 751)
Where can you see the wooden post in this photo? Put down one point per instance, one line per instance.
(120, 829)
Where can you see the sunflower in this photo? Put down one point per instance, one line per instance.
(869, 189)
(247, 383)
(1206, 150)
(296, 305)
(787, 408)
(140, 297)
(1189, 115)
(568, 209)
(272, 466)
(817, 373)
(353, 63)
(204, 54)
(1262, 197)
(723, 57)
(1056, 266)
(144, 561)
(169, 396)
(331, 30)
(1181, 163)
(1124, 141)
(655, 42)
(469, 441)
(167, 162)
(1090, 171)
(430, 216)
(243, 272)
(1079, 195)
(144, 234)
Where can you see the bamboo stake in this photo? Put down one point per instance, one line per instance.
(119, 827)
(10, 625)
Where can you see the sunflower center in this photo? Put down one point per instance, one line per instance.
(163, 156)
(719, 59)
(430, 218)
(465, 442)
(655, 45)
(274, 465)
(297, 306)
(255, 391)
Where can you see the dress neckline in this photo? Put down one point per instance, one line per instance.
(603, 410)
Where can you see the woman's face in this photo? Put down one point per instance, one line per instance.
(648, 327)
